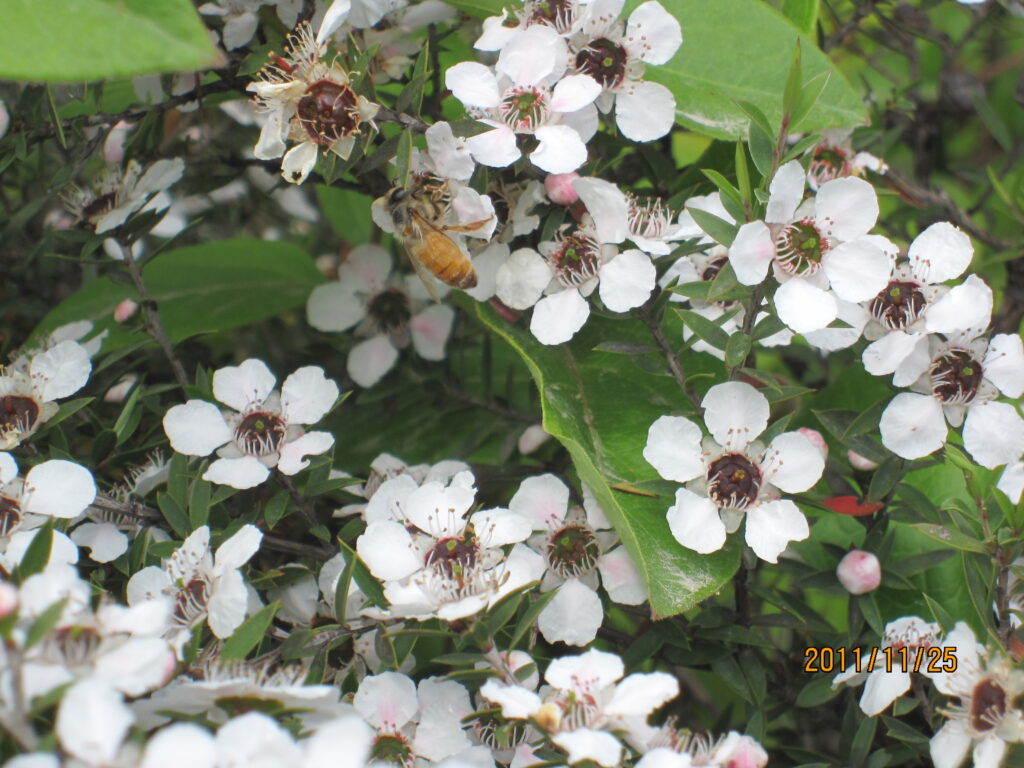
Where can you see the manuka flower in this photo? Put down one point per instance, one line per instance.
(117, 194)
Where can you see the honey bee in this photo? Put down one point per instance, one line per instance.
(418, 214)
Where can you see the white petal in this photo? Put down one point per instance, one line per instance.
(857, 270)
(1004, 364)
(136, 666)
(238, 30)
(430, 330)
(370, 360)
(573, 616)
(178, 744)
(963, 307)
(243, 385)
(238, 550)
(940, 253)
(658, 30)
(104, 541)
(913, 426)
(495, 148)
(664, 757)
(270, 144)
(993, 434)
(640, 694)
(307, 395)
(451, 156)
(627, 280)
(735, 413)
(341, 743)
(521, 280)
(293, 453)
(366, 268)
(439, 733)
(533, 55)
(574, 92)
(487, 263)
(64, 370)
(585, 744)
(645, 111)
(592, 670)
(949, 746)
(771, 526)
(804, 307)
(561, 149)
(334, 307)
(543, 500)
(92, 721)
(254, 740)
(785, 193)
(159, 176)
(147, 584)
(241, 473)
(792, 463)
(988, 751)
(333, 19)
(1011, 482)
(227, 605)
(387, 701)
(846, 208)
(673, 448)
(583, 121)
(196, 428)
(885, 355)
(695, 522)
(58, 488)
(387, 549)
(516, 702)
(882, 689)
(557, 318)
(620, 578)
(607, 205)
(473, 84)
(752, 252)
(8, 468)
(298, 162)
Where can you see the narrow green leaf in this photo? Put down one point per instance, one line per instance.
(199, 503)
(249, 633)
(794, 85)
(737, 349)
(342, 588)
(37, 555)
(951, 537)
(403, 158)
(802, 13)
(762, 145)
(706, 330)
(715, 227)
(44, 623)
(174, 514)
(743, 175)
(276, 509)
(724, 186)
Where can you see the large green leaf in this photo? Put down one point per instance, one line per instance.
(200, 289)
(599, 405)
(75, 41)
(803, 13)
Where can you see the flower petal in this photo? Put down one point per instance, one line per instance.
(940, 253)
(805, 307)
(857, 270)
(607, 205)
(473, 84)
(1004, 364)
(334, 307)
(627, 280)
(993, 434)
(557, 317)
(430, 330)
(695, 522)
(735, 413)
(298, 162)
(521, 280)
(368, 361)
(654, 32)
(752, 252)
(771, 526)
(64, 369)
(58, 488)
(785, 193)
(673, 448)
(196, 428)
(962, 308)
(573, 616)
(792, 463)
(846, 208)
(561, 149)
(574, 92)
(645, 111)
(241, 473)
(307, 395)
(913, 426)
(243, 385)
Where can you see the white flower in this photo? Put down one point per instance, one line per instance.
(55, 488)
(834, 158)
(240, 20)
(115, 196)
(202, 585)
(526, 93)
(614, 59)
(730, 474)
(264, 429)
(367, 296)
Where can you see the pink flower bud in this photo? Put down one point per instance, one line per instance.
(861, 462)
(113, 146)
(516, 660)
(125, 309)
(118, 392)
(816, 439)
(748, 754)
(8, 599)
(532, 439)
(859, 572)
(559, 188)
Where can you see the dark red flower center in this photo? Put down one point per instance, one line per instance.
(576, 260)
(955, 377)
(260, 433)
(10, 515)
(328, 111)
(18, 413)
(573, 551)
(988, 705)
(898, 305)
(604, 61)
(559, 14)
(829, 163)
(453, 556)
(733, 481)
(390, 310)
(800, 247)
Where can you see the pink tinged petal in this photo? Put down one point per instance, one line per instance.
(949, 747)
(242, 473)
(657, 31)
(640, 694)
(792, 463)
(846, 208)
(573, 616)
(620, 578)
(673, 448)
(238, 550)
(196, 428)
(520, 281)
(561, 149)
(471, 207)
(805, 307)
(993, 434)
(333, 19)
(1004, 364)
(451, 156)
(496, 148)
(735, 413)
(940, 253)
(964, 307)
(645, 111)
(785, 193)
(243, 385)
(771, 526)
(695, 522)
(58, 488)
(607, 205)
(857, 270)
(370, 360)
(585, 744)
(543, 500)
(885, 355)
(334, 307)
(64, 369)
(752, 252)
(387, 549)
(92, 721)
(307, 395)
(627, 280)
(913, 426)
(532, 56)
(366, 268)
(430, 330)
(226, 607)
(574, 92)
(180, 744)
(473, 84)
(557, 318)
(136, 666)
(104, 541)
(387, 701)
(1011, 482)
(988, 751)
(293, 454)
(516, 702)
(298, 162)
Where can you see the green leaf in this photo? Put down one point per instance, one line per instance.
(737, 349)
(173, 514)
(714, 226)
(199, 503)
(794, 84)
(276, 509)
(200, 289)
(950, 537)
(347, 211)
(37, 555)
(249, 634)
(601, 412)
(707, 330)
(82, 40)
(802, 13)
(480, 8)
(46, 621)
(707, 84)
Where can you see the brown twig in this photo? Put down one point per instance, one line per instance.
(675, 367)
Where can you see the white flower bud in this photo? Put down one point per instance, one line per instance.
(748, 754)
(560, 189)
(859, 572)
(532, 439)
(8, 599)
(816, 440)
(861, 462)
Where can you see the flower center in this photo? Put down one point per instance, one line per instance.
(955, 376)
(260, 433)
(18, 414)
(390, 310)
(604, 61)
(988, 705)
(190, 602)
(576, 260)
(573, 551)
(497, 732)
(649, 219)
(524, 108)
(328, 111)
(829, 163)
(10, 515)
(733, 481)
(76, 644)
(559, 14)
(454, 557)
(392, 748)
(800, 247)
(99, 206)
(898, 305)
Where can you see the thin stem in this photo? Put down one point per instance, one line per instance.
(152, 313)
(675, 367)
